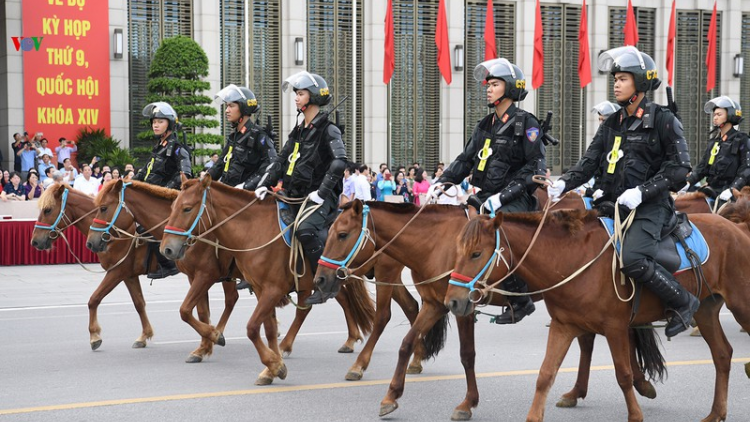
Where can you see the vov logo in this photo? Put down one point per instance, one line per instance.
(27, 43)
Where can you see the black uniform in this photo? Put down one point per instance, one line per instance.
(245, 157)
(167, 161)
(518, 153)
(314, 158)
(729, 167)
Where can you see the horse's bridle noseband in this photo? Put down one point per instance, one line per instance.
(189, 232)
(53, 228)
(106, 234)
(342, 266)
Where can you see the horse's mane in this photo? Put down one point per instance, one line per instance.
(48, 200)
(692, 196)
(153, 190)
(571, 221)
(404, 208)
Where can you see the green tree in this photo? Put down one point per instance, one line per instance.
(95, 143)
(175, 77)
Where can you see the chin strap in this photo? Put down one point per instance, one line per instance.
(629, 101)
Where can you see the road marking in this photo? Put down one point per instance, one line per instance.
(311, 387)
(84, 305)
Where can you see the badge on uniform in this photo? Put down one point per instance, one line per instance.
(639, 113)
(532, 134)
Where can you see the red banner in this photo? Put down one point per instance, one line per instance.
(65, 67)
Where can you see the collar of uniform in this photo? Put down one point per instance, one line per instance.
(730, 133)
(639, 111)
(510, 112)
(248, 124)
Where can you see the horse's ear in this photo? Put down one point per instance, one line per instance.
(118, 185)
(736, 193)
(357, 207)
(497, 221)
(206, 181)
(183, 178)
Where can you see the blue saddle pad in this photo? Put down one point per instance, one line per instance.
(695, 241)
(282, 226)
(588, 202)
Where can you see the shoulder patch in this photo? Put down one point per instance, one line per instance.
(532, 133)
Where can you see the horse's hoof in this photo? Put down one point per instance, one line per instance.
(354, 375)
(387, 408)
(414, 369)
(461, 415)
(95, 344)
(696, 332)
(281, 373)
(263, 380)
(646, 389)
(747, 369)
(346, 349)
(194, 359)
(286, 353)
(221, 341)
(567, 402)
(139, 344)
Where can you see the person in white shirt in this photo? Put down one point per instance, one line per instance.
(362, 185)
(86, 183)
(69, 172)
(43, 149)
(349, 176)
(64, 150)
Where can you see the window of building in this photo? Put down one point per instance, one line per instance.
(561, 92)
(475, 100)
(414, 91)
(330, 48)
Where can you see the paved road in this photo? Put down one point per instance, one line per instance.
(49, 372)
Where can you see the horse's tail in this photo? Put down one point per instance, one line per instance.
(649, 356)
(362, 305)
(434, 340)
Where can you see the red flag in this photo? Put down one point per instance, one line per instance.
(584, 61)
(389, 57)
(443, 48)
(490, 48)
(631, 29)
(670, 43)
(537, 77)
(711, 53)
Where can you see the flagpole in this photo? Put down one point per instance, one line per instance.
(354, 82)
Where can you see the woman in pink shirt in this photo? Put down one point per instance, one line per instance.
(421, 185)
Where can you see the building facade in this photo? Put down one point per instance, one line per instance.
(417, 117)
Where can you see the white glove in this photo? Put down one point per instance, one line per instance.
(556, 190)
(631, 198)
(240, 185)
(685, 188)
(315, 197)
(597, 194)
(726, 195)
(492, 203)
(434, 191)
(261, 192)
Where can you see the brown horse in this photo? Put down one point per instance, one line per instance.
(692, 203)
(123, 261)
(589, 304)
(149, 205)
(384, 222)
(267, 269)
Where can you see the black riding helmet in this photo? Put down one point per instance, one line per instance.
(629, 60)
(734, 111)
(240, 95)
(161, 110)
(315, 84)
(515, 83)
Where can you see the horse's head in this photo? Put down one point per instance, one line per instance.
(477, 256)
(51, 213)
(111, 213)
(349, 245)
(187, 209)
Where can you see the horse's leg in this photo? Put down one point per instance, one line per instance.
(581, 387)
(465, 324)
(197, 296)
(109, 282)
(707, 318)
(299, 318)
(264, 312)
(558, 343)
(383, 295)
(431, 312)
(231, 296)
(134, 288)
(619, 345)
(410, 307)
(354, 335)
(271, 329)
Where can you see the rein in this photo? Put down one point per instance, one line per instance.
(54, 231)
(108, 225)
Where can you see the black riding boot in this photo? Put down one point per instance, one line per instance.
(520, 306)
(166, 266)
(671, 293)
(313, 247)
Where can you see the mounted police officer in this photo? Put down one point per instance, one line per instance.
(248, 149)
(641, 154)
(168, 159)
(311, 165)
(503, 154)
(726, 162)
